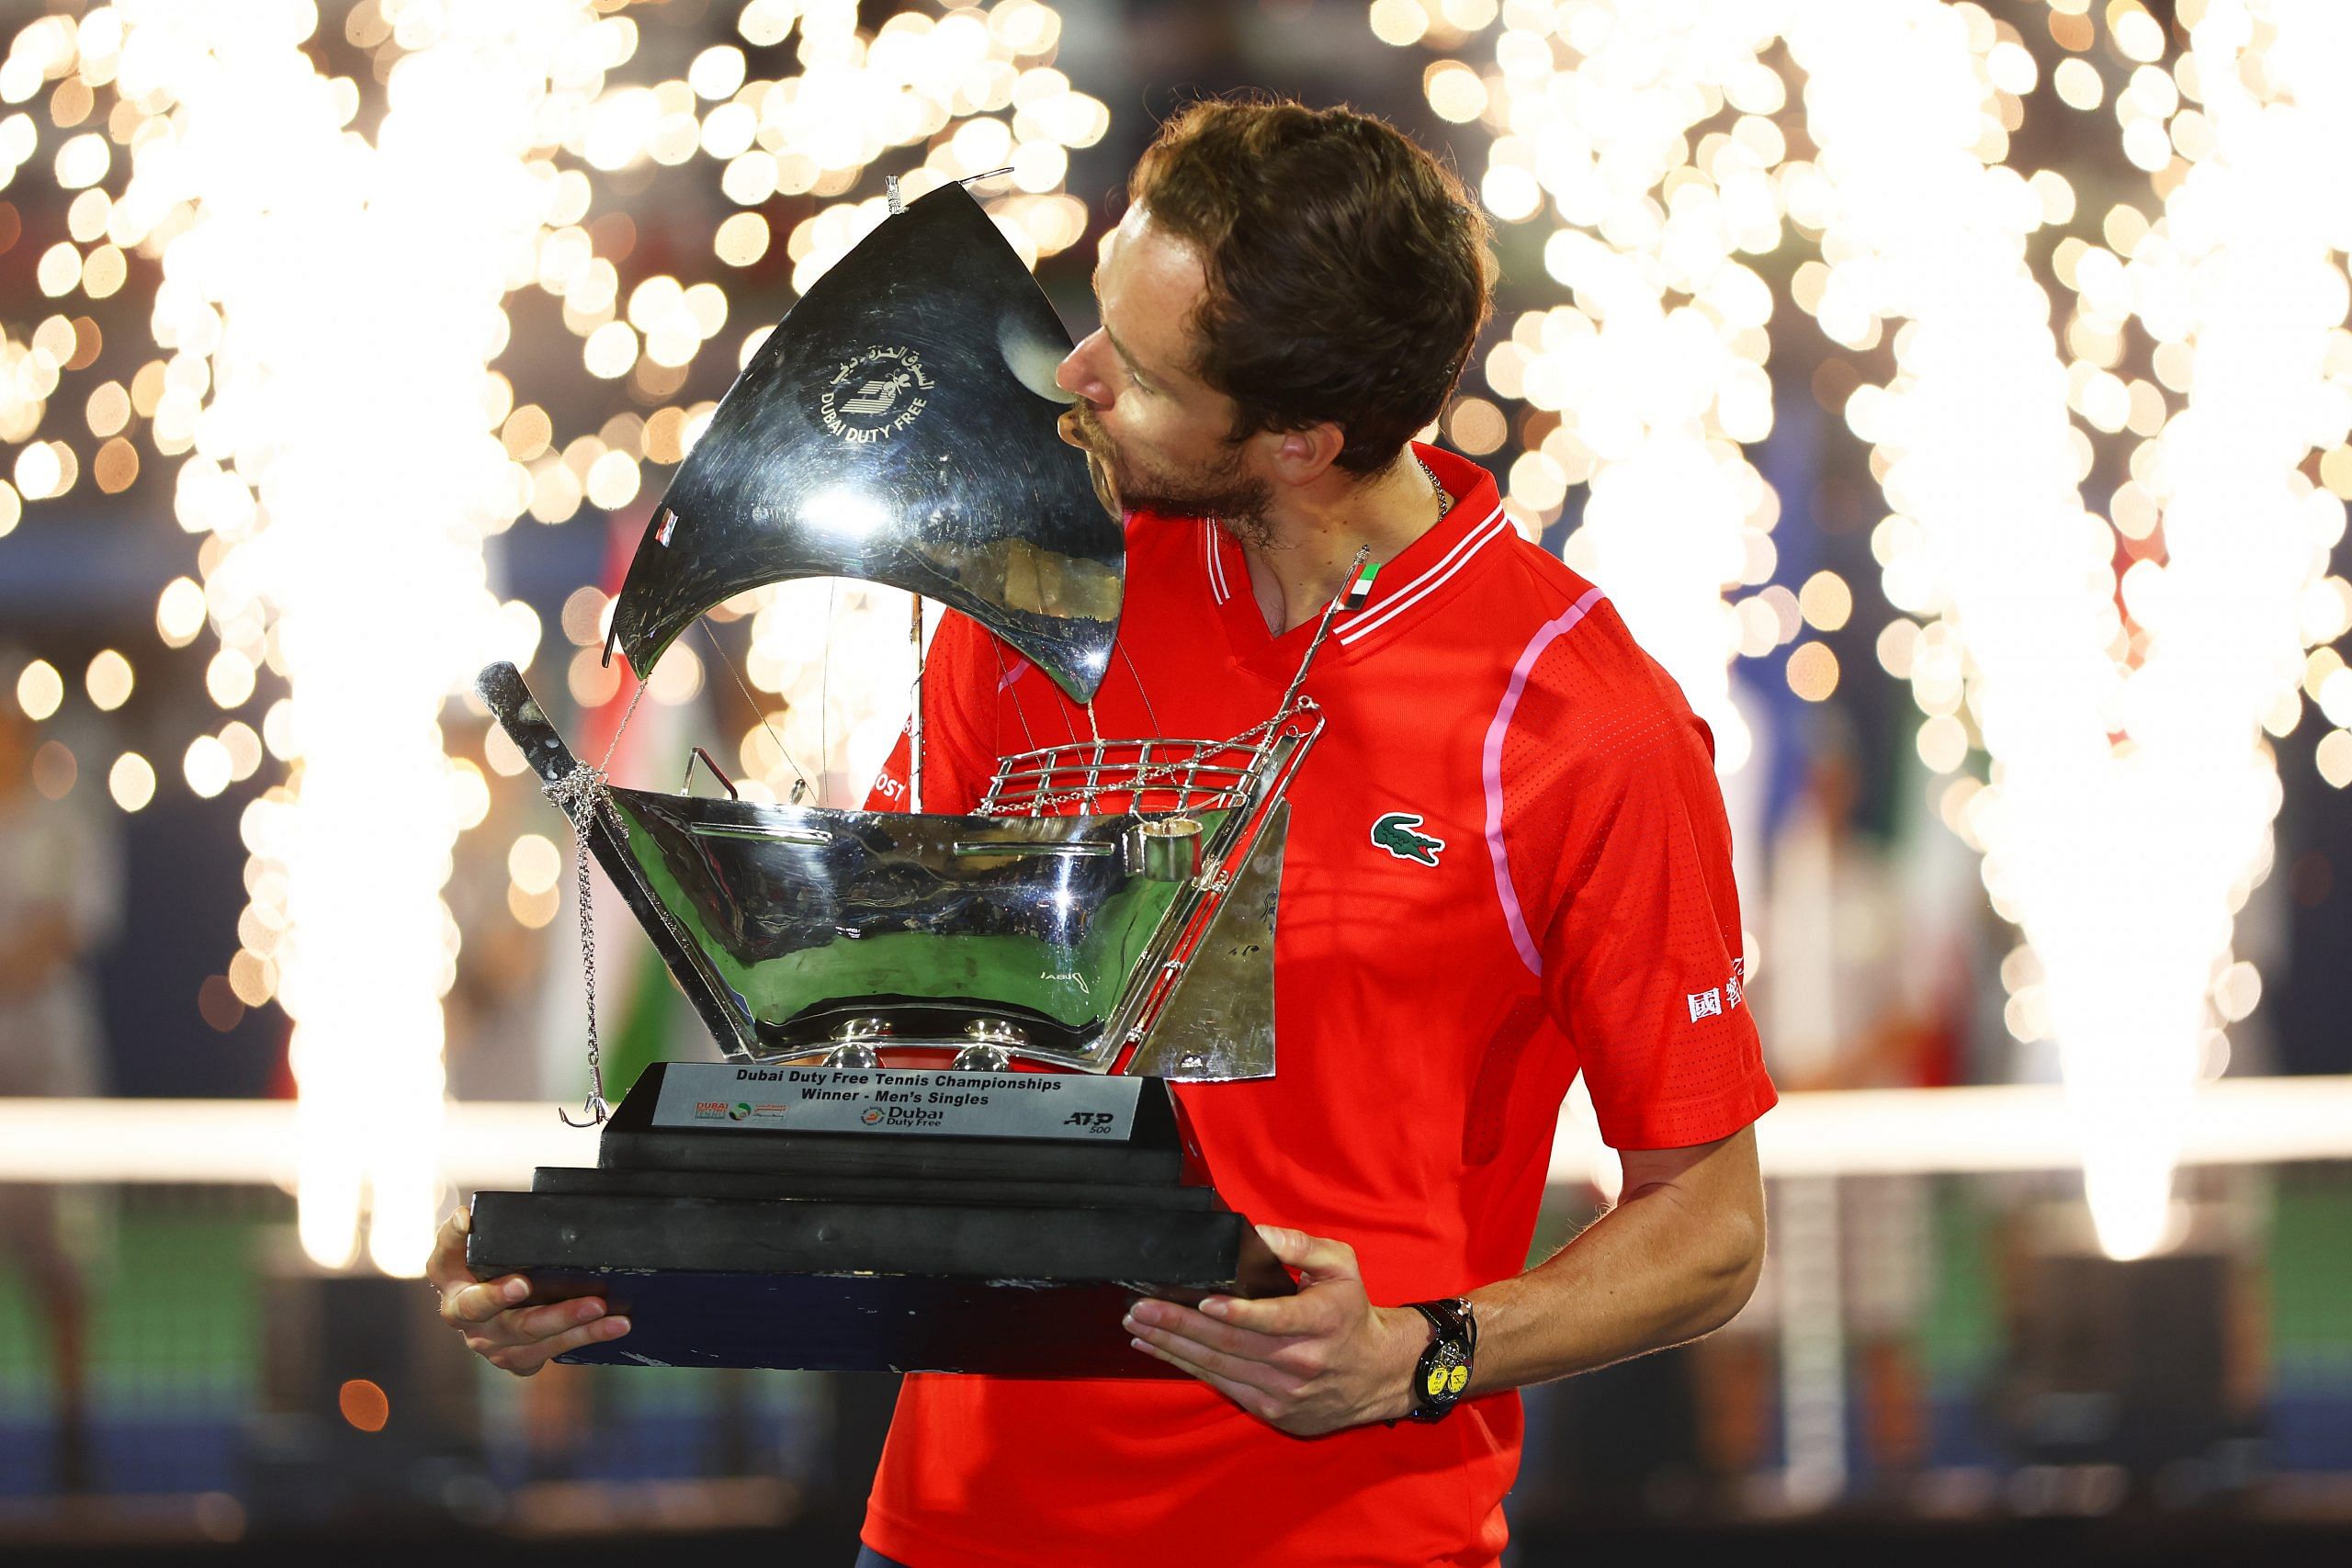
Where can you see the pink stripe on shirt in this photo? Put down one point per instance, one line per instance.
(1545, 636)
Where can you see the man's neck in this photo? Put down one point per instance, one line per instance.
(1312, 537)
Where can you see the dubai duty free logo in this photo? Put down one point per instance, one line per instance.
(876, 392)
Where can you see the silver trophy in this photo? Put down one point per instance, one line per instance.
(867, 1181)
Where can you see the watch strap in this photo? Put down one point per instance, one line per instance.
(1450, 1315)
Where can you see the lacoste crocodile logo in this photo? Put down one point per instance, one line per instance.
(1396, 833)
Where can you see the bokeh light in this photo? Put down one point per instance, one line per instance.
(131, 781)
(39, 689)
(109, 680)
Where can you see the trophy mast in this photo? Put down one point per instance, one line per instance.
(914, 722)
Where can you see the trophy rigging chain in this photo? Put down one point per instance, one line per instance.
(581, 794)
(621, 728)
(1150, 716)
(1020, 709)
(800, 784)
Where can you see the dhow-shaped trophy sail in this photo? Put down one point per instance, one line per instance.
(864, 1184)
(898, 428)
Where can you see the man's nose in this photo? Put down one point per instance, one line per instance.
(1076, 376)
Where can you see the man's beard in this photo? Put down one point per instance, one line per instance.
(1223, 491)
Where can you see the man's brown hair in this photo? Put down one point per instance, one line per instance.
(1347, 267)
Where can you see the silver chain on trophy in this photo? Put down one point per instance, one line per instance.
(580, 793)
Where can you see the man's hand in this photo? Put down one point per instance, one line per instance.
(1305, 1364)
(514, 1338)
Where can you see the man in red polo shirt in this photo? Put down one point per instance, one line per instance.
(1508, 863)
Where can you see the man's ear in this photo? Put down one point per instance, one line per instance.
(1301, 457)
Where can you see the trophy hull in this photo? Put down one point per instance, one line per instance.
(982, 1248)
(802, 919)
(1094, 941)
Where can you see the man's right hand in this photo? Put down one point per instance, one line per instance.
(519, 1339)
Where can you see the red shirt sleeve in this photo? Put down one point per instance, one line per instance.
(959, 688)
(1637, 924)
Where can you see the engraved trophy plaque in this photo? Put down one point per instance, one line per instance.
(942, 1138)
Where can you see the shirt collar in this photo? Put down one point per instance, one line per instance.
(1406, 585)
(1403, 588)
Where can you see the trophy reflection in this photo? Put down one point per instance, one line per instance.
(942, 1138)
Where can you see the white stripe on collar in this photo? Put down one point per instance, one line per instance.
(1374, 617)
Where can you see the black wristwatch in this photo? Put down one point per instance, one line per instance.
(1445, 1366)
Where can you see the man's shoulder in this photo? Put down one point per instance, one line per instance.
(1581, 685)
(1559, 626)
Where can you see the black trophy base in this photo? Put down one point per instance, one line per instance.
(734, 1246)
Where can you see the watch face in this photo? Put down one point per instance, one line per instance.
(1445, 1376)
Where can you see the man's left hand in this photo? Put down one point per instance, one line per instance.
(1305, 1364)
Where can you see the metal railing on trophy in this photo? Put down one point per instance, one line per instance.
(1146, 776)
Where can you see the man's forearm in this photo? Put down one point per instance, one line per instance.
(1674, 1260)
(1657, 1270)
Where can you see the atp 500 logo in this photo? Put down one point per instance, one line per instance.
(1091, 1123)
